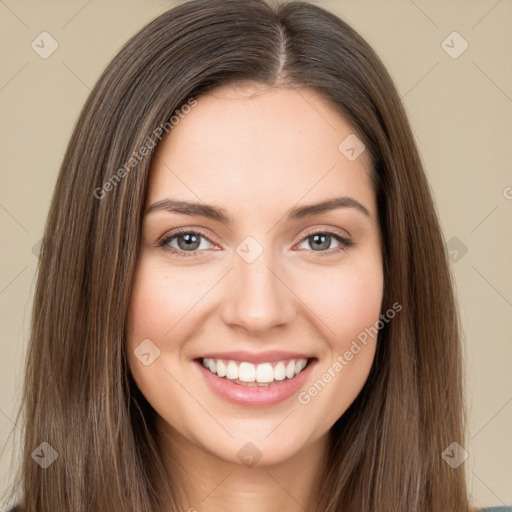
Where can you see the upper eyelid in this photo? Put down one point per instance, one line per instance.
(182, 231)
(329, 230)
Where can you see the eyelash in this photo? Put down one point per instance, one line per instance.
(345, 242)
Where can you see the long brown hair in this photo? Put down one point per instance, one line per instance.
(78, 394)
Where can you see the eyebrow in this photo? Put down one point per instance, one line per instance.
(221, 215)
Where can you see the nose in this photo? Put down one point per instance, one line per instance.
(257, 296)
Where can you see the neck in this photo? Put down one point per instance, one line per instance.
(211, 484)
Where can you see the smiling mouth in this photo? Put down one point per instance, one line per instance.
(262, 374)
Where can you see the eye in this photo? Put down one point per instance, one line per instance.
(187, 242)
(320, 240)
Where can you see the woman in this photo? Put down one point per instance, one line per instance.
(243, 299)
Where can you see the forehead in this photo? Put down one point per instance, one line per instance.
(246, 144)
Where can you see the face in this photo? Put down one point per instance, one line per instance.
(250, 278)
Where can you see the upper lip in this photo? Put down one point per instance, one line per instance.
(256, 357)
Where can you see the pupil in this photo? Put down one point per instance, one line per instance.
(322, 245)
(190, 240)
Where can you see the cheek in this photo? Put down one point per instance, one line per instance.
(345, 300)
(161, 299)
(162, 308)
(157, 305)
(347, 304)
(337, 306)
(148, 319)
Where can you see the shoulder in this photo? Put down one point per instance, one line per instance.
(506, 508)
(495, 509)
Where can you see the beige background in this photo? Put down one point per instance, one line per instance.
(461, 113)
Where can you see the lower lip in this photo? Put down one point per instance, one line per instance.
(256, 396)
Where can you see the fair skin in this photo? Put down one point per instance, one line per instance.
(256, 156)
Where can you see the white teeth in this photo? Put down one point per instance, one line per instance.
(247, 372)
(290, 369)
(279, 371)
(299, 365)
(263, 373)
(232, 371)
(221, 368)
